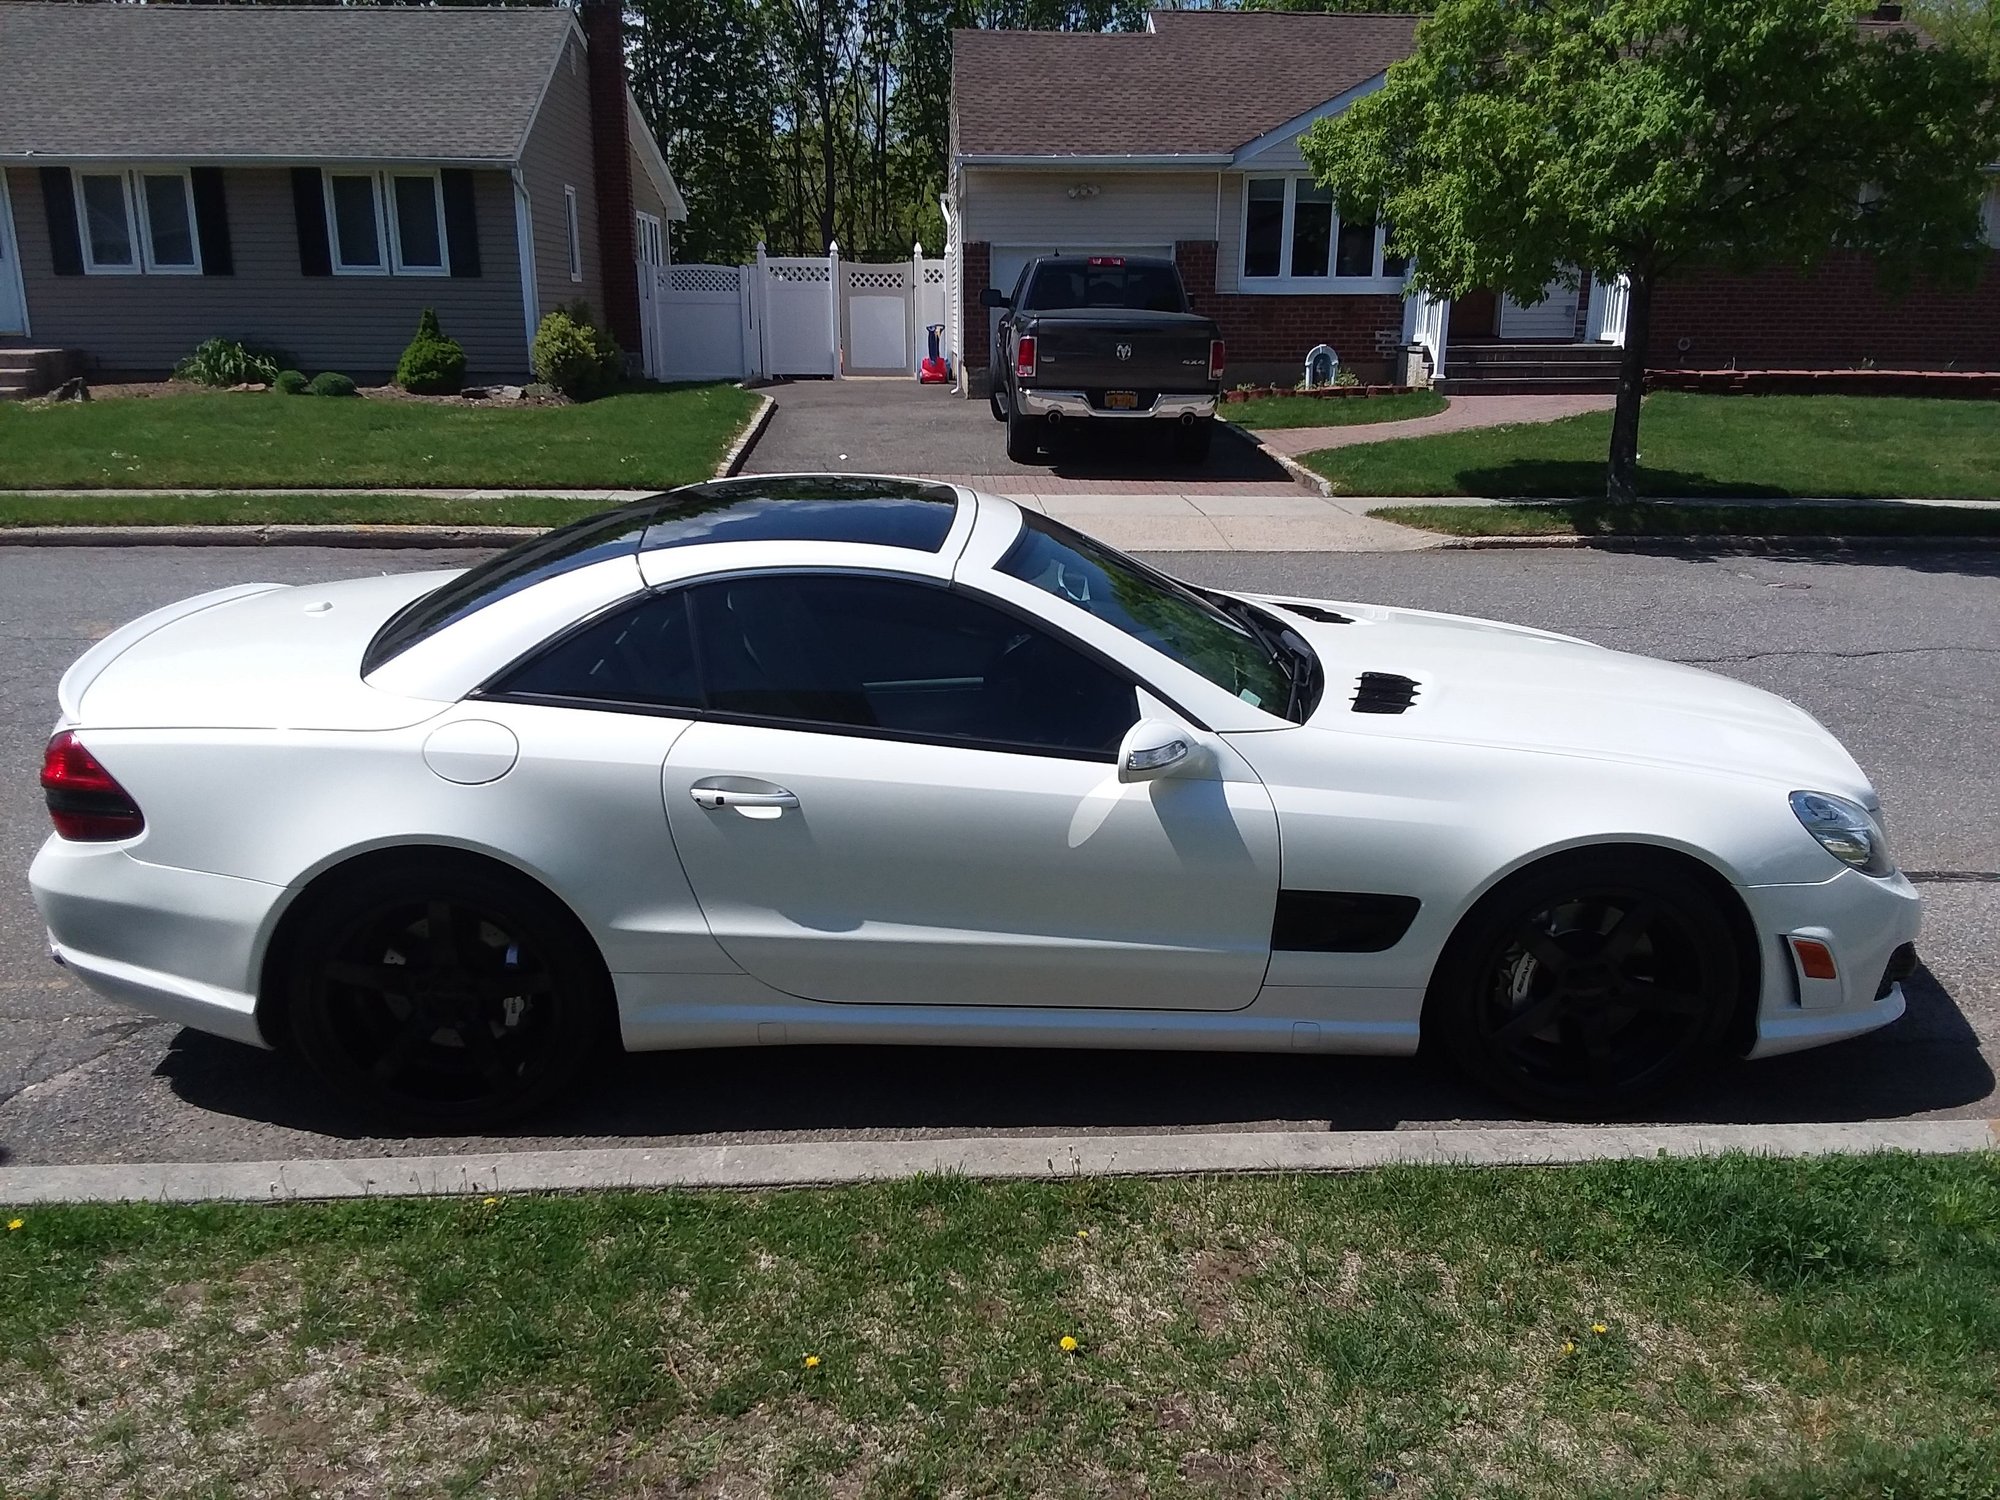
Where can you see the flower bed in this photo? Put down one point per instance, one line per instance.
(1321, 393)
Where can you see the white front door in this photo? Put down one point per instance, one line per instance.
(900, 794)
(1554, 317)
(13, 294)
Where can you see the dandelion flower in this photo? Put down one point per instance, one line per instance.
(491, 1202)
(16, 1223)
(1068, 1344)
(1083, 1234)
(1599, 1328)
(1569, 1346)
(812, 1361)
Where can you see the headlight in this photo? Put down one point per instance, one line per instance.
(1846, 830)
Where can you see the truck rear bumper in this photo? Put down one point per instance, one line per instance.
(1168, 406)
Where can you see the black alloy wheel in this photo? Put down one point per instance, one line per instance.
(1589, 988)
(447, 1002)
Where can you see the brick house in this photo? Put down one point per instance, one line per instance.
(1182, 140)
(308, 179)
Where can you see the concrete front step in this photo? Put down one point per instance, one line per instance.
(1528, 385)
(1533, 354)
(29, 370)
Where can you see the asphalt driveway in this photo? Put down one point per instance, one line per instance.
(1892, 650)
(896, 426)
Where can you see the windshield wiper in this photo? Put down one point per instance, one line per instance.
(1295, 661)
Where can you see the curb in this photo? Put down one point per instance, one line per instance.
(996, 1158)
(1720, 543)
(1307, 480)
(746, 439)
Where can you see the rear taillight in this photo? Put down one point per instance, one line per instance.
(1024, 358)
(1218, 359)
(86, 803)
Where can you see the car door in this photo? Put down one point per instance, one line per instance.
(899, 792)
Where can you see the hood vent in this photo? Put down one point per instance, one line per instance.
(1383, 693)
(1316, 612)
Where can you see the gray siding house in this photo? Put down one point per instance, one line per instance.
(309, 179)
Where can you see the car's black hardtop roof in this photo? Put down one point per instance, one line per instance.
(855, 508)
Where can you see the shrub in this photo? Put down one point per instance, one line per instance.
(433, 365)
(227, 362)
(331, 383)
(573, 354)
(289, 383)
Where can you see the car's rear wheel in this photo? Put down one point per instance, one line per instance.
(994, 403)
(1588, 987)
(1023, 438)
(446, 997)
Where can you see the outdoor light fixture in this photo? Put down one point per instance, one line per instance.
(1084, 190)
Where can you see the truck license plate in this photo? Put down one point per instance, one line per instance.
(1121, 400)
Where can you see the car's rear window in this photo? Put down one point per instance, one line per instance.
(1062, 284)
(822, 508)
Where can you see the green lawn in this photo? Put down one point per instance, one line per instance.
(1812, 1330)
(1332, 411)
(283, 509)
(1661, 518)
(1828, 446)
(640, 439)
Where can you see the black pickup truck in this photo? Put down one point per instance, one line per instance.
(1098, 339)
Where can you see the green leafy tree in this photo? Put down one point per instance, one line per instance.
(1524, 143)
(1969, 25)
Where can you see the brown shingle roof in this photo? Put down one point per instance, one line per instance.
(1199, 83)
(349, 83)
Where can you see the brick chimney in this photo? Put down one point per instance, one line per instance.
(611, 155)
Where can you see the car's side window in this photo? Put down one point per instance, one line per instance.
(908, 659)
(637, 654)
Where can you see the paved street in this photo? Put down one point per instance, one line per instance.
(1895, 651)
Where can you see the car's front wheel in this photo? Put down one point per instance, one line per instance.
(446, 996)
(1588, 987)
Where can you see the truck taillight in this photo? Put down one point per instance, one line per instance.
(1024, 358)
(1218, 359)
(85, 801)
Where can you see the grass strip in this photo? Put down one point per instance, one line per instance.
(642, 439)
(290, 510)
(1731, 1326)
(1332, 411)
(1751, 447)
(1661, 518)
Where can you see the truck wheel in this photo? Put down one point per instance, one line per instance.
(1023, 442)
(993, 401)
(1191, 443)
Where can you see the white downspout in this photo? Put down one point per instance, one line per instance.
(524, 245)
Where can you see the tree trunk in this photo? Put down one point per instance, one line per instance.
(1621, 480)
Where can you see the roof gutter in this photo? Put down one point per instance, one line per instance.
(1108, 159)
(239, 159)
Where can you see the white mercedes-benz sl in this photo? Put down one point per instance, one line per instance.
(836, 759)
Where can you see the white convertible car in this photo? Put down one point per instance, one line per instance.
(837, 759)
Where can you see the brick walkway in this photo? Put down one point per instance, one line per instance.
(1464, 412)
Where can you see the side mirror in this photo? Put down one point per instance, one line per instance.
(994, 297)
(1151, 749)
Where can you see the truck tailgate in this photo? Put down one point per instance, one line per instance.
(1097, 348)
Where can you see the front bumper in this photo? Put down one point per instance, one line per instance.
(1862, 921)
(178, 944)
(1167, 406)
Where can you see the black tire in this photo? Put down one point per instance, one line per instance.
(1024, 444)
(1191, 443)
(993, 402)
(1588, 987)
(496, 1022)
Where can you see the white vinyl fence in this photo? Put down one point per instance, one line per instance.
(789, 315)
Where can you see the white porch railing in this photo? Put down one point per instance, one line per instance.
(1427, 322)
(1605, 323)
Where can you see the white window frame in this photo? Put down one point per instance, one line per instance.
(575, 231)
(1284, 284)
(388, 227)
(652, 232)
(395, 227)
(138, 222)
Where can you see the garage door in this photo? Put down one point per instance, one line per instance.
(1008, 260)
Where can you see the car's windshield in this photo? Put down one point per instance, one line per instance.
(1232, 651)
(1061, 284)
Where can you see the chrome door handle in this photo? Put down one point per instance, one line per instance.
(712, 798)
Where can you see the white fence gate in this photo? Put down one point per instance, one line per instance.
(789, 315)
(701, 322)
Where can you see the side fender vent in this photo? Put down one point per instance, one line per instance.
(1383, 693)
(1315, 612)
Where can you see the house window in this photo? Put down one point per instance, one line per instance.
(1294, 241)
(387, 223)
(575, 234)
(138, 222)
